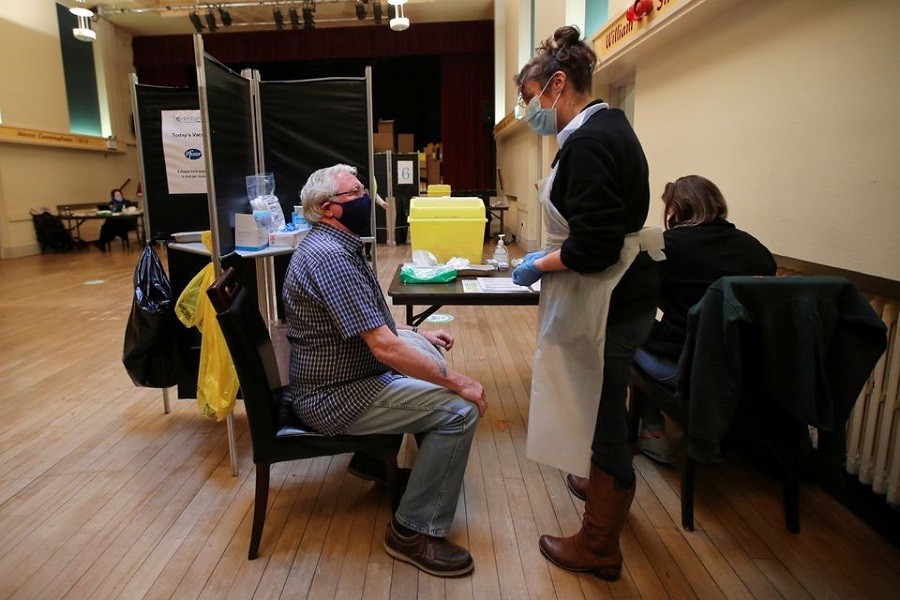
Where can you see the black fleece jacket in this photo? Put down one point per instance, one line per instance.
(602, 190)
(696, 257)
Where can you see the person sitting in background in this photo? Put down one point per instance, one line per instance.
(701, 247)
(352, 373)
(113, 228)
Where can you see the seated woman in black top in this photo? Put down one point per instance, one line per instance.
(113, 228)
(701, 247)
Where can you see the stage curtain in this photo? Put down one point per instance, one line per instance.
(466, 37)
(467, 57)
(467, 91)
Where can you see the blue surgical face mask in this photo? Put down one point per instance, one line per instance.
(542, 120)
(356, 215)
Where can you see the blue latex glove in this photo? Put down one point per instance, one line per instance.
(533, 256)
(526, 273)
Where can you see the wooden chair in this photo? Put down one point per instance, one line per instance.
(277, 435)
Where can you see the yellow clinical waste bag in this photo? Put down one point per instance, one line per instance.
(217, 381)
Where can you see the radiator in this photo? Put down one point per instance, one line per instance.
(873, 436)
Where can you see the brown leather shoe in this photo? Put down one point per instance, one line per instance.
(577, 485)
(434, 555)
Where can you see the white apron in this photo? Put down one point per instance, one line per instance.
(567, 377)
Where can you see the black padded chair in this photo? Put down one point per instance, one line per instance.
(765, 358)
(277, 435)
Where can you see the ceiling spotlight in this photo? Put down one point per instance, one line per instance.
(211, 21)
(309, 18)
(398, 22)
(376, 11)
(196, 22)
(295, 18)
(83, 31)
(279, 18)
(225, 17)
(360, 10)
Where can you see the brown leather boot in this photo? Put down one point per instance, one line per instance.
(577, 485)
(595, 548)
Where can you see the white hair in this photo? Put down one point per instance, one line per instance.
(321, 186)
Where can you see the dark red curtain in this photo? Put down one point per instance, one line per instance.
(466, 37)
(467, 120)
(467, 69)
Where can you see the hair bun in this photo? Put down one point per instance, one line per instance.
(566, 36)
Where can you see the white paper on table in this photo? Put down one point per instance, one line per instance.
(500, 284)
(470, 286)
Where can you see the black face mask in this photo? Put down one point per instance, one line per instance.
(357, 215)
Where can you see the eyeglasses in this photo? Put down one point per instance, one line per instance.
(357, 191)
(522, 104)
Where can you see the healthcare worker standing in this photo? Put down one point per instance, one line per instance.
(598, 296)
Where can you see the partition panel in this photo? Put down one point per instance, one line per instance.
(230, 122)
(167, 213)
(404, 192)
(383, 183)
(311, 124)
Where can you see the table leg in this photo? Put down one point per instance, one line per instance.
(415, 320)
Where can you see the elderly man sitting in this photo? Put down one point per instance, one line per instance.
(351, 373)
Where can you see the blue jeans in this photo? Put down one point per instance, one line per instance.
(447, 423)
(662, 371)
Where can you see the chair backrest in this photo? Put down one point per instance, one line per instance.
(50, 231)
(253, 356)
(805, 345)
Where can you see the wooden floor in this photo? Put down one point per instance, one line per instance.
(104, 496)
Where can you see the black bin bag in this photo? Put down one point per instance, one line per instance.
(153, 354)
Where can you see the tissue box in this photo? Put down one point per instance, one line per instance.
(248, 235)
(288, 239)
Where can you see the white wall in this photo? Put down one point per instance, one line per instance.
(33, 96)
(790, 107)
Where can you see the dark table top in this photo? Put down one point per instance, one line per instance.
(452, 294)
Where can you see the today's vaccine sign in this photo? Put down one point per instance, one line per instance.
(182, 139)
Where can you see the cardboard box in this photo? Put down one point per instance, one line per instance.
(448, 227)
(382, 142)
(406, 142)
(288, 239)
(248, 235)
(433, 170)
(386, 126)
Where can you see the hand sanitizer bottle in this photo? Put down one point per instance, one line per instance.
(501, 254)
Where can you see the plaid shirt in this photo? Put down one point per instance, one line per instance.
(330, 297)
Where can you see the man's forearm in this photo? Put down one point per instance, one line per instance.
(403, 358)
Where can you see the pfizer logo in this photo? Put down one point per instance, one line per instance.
(192, 153)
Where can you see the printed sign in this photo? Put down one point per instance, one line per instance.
(405, 172)
(182, 139)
